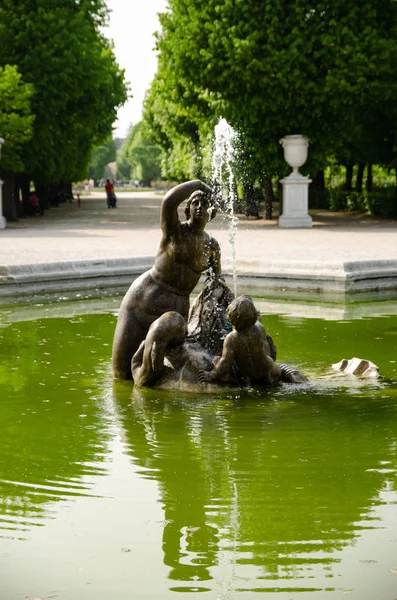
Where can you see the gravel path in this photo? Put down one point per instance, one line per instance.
(92, 231)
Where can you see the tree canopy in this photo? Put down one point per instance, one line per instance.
(139, 158)
(16, 119)
(59, 50)
(100, 158)
(276, 67)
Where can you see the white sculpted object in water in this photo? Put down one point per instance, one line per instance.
(357, 366)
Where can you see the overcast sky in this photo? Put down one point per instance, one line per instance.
(132, 24)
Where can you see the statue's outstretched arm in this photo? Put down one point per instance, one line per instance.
(169, 207)
(215, 261)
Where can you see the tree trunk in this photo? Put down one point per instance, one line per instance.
(349, 176)
(43, 195)
(11, 208)
(23, 182)
(68, 191)
(360, 175)
(369, 178)
(234, 195)
(251, 204)
(269, 199)
(318, 181)
(280, 196)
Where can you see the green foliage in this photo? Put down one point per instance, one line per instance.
(181, 121)
(139, 158)
(100, 158)
(16, 120)
(380, 202)
(57, 47)
(276, 67)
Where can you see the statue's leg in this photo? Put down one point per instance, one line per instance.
(141, 368)
(167, 331)
(128, 335)
(147, 364)
(137, 359)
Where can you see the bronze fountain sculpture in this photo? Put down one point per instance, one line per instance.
(220, 341)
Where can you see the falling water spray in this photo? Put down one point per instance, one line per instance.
(224, 183)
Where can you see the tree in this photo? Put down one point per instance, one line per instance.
(139, 158)
(180, 121)
(277, 67)
(57, 46)
(100, 158)
(16, 119)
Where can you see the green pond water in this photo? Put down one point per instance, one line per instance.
(110, 492)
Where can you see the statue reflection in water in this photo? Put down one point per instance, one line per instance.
(246, 492)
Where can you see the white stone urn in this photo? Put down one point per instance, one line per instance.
(295, 150)
(295, 201)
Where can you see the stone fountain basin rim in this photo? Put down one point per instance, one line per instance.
(74, 269)
(113, 276)
(335, 270)
(359, 269)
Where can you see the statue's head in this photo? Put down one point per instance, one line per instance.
(242, 313)
(200, 198)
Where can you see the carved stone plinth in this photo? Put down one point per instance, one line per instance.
(3, 222)
(295, 202)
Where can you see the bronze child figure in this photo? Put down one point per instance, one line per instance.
(246, 347)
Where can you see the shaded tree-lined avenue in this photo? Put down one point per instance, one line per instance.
(72, 81)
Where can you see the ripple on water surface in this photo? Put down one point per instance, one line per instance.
(290, 490)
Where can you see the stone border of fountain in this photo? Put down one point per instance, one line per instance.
(20, 284)
(341, 278)
(339, 281)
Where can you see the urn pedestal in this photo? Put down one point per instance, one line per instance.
(295, 186)
(3, 222)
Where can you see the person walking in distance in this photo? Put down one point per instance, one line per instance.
(111, 198)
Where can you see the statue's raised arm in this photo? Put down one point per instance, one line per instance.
(169, 218)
